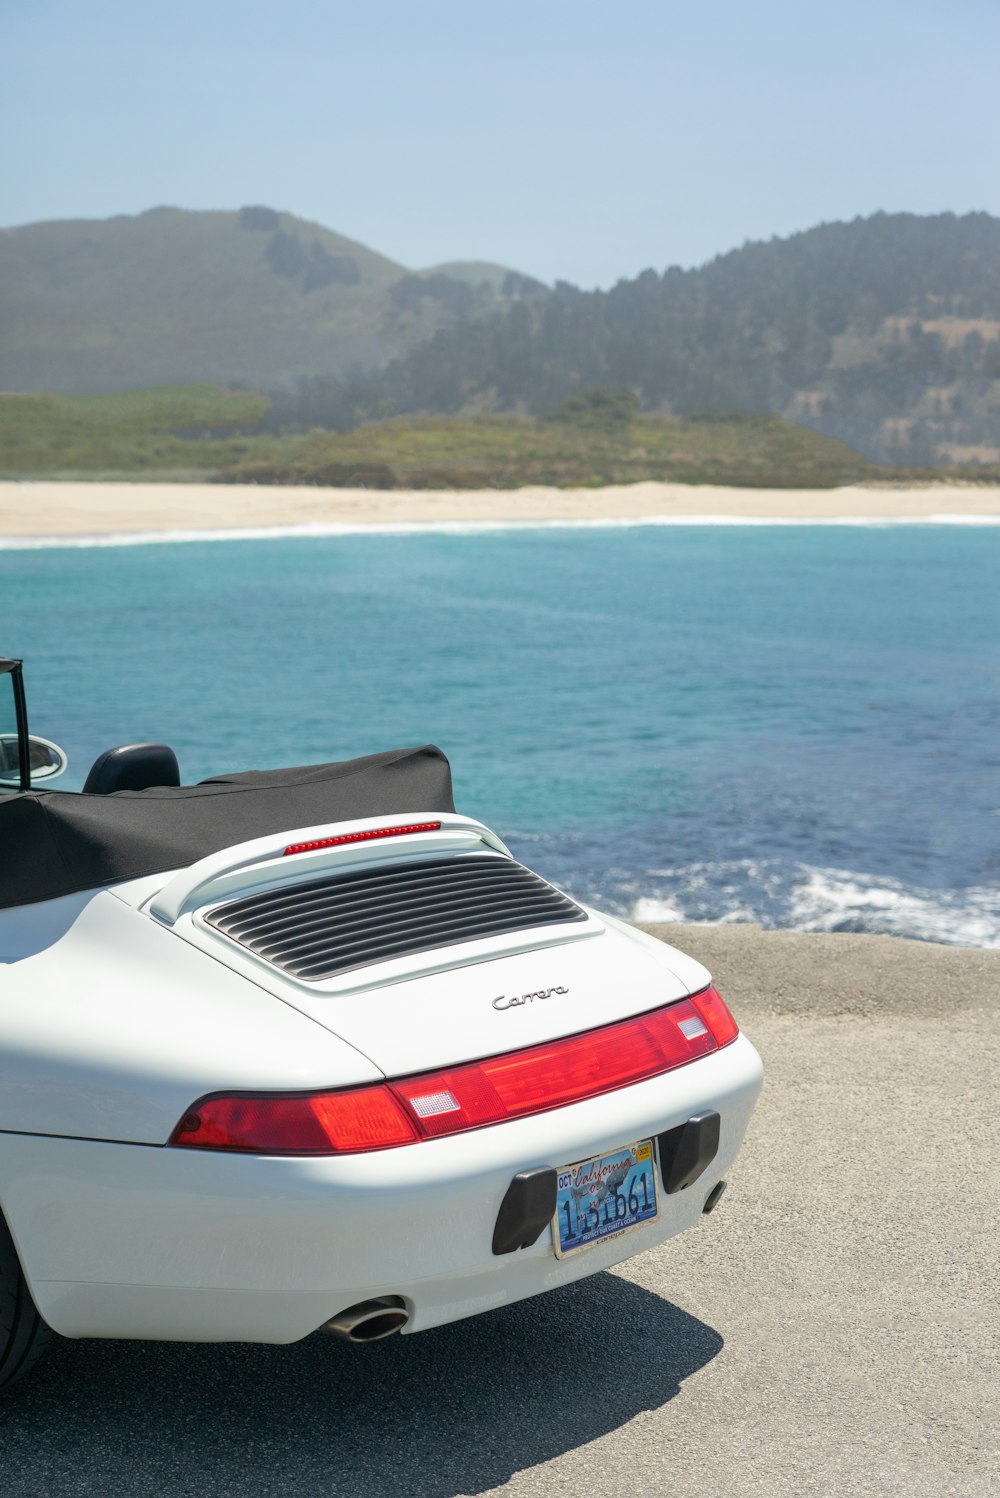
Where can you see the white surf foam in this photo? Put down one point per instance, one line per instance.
(650, 912)
(465, 528)
(832, 899)
(801, 897)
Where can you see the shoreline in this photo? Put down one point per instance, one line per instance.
(50, 511)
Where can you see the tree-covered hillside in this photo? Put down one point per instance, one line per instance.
(884, 332)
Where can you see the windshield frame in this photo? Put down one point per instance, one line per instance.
(13, 669)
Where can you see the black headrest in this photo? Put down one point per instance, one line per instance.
(132, 767)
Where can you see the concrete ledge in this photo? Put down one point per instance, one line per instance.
(822, 974)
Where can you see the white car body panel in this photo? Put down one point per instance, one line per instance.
(116, 1047)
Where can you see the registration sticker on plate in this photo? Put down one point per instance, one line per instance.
(604, 1196)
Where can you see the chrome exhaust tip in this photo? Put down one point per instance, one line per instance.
(714, 1196)
(370, 1320)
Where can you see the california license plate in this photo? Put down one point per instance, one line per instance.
(604, 1196)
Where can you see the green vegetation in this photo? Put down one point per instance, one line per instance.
(165, 431)
(601, 409)
(202, 430)
(497, 453)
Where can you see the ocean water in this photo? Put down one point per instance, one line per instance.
(791, 724)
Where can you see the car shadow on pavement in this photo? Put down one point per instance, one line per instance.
(455, 1410)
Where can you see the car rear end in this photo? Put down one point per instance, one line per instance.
(541, 1093)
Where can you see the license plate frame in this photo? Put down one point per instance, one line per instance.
(610, 1184)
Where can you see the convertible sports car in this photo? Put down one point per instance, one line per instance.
(308, 1049)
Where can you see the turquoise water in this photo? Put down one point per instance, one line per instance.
(791, 724)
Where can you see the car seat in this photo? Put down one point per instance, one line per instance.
(132, 767)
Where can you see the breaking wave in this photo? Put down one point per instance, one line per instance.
(801, 897)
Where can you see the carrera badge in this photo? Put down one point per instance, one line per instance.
(514, 1001)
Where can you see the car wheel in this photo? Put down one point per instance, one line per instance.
(23, 1333)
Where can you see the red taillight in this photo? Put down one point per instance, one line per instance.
(465, 1097)
(558, 1073)
(360, 837)
(712, 1008)
(326, 1123)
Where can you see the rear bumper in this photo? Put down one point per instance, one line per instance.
(125, 1240)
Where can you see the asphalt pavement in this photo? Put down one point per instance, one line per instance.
(832, 1329)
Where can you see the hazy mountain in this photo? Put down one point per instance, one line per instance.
(475, 272)
(170, 297)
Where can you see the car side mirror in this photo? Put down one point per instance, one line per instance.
(45, 759)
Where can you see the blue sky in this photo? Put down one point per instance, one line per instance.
(579, 141)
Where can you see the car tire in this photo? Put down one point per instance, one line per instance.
(23, 1334)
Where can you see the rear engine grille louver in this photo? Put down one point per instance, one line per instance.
(345, 921)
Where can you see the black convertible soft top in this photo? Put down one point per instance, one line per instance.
(57, 843)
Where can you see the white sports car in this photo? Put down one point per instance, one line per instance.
(308, 1049)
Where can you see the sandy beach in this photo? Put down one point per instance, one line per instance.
(48, 509)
